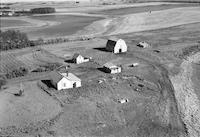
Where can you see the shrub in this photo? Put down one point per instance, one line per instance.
(22, 71)
(47, 67)
(2, 81)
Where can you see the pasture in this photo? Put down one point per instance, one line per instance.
(22, 112)
(12, 23)
(132, 10)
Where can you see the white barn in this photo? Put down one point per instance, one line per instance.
(116, 45)
(65, 80)
(111, 68)
(78, 59)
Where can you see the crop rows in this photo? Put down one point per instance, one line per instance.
(9, 62)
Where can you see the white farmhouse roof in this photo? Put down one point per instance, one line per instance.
(110, 65)
(144, 44)
(70, 77)
(56, 77)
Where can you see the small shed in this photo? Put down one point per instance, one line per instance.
(143, 44)
(78, 59)
(111, 68)
(116, 45)
(65, 80)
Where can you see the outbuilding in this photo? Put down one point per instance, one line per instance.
(111, 68)
(78, 59)
(116, 45)
(65, 80)
(143, 44)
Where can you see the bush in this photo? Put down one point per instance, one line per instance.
(22, 71)
(12, 39)
(47, 67)
(2, 81)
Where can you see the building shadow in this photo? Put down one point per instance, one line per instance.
(102, 70)
(48, 83)
(69, 61)
(101, 49)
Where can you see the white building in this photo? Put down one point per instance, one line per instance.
(77, 58)
(143, 44)
(116, 45)
(65, 80)
(111, 68)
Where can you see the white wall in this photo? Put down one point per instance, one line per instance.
(68, 84)
(121, 44)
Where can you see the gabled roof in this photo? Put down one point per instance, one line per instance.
(76, 55)
(57, 76)
(115, 39)
(110, 65)
(70, 77)
(143, 43)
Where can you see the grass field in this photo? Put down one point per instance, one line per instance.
(68, 25)
(11, 23)
(132, 10)
(22, 112)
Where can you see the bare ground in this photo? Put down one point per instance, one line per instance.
(187, 99)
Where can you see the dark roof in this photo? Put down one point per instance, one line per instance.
(113, 39)
(56, 76)
(76, 55)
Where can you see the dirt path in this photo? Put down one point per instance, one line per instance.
(188, 103)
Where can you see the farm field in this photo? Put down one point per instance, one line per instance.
(161, 92)
(8, 23)
(68, 25)
(131, 10)
(25, 113)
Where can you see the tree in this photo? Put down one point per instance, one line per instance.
(12, 39)
(44, 10)
(2, 81)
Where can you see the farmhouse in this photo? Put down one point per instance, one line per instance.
(143, 44)
(77, 58)
(111, 68)
(65, 80)
(116, 45)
